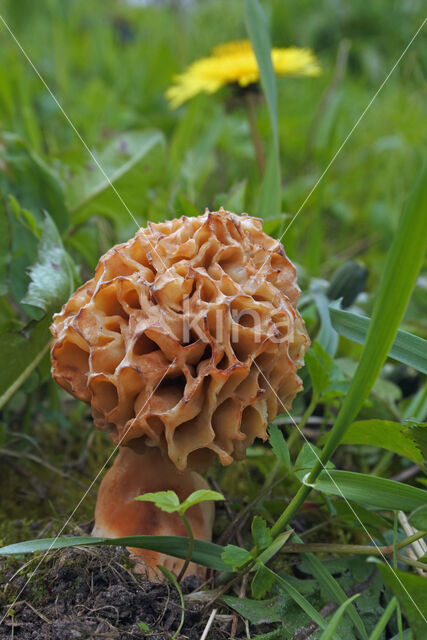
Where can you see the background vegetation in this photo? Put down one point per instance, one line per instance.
(108, 65)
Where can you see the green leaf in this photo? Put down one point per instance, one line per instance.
(257, 28)
(51, 276)
(384, 620)
(274, 547)
(331, 586)
(143, 626)
(382, 433)
(23, 352)
(234, 556)
(167, 501)
(418, 432)
(279, 446)
(406, 348)
(418, 518)
(328, 633)
(207, 554)
(380, 493)
(117, 159)
(347, 282)
(31, 181)
(319, 373)
(327, 335)
(202, 495)
(411, 592)
(307, 458)
(397, 283)
(264, 612)
(284, 583)
(4, 247)
(261, 533)
(262, 582)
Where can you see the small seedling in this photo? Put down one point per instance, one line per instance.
(168, 501)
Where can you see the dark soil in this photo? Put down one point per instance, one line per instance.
(85, 593)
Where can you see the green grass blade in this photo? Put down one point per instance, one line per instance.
(331, 586)
(301, 601)
(401, 270)
(383, 621)
(257, 28)
(374, 491)
(406, 348)
(328, 633)
(206, 553)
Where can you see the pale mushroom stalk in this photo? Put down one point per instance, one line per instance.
(118, 514)
(186, 343)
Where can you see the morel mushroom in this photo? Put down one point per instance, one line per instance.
(185, 343)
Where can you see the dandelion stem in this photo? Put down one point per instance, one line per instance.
(251, 111)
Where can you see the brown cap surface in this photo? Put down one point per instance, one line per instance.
(185, 338)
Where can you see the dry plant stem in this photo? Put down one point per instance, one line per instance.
(256, 138)
(365, 550)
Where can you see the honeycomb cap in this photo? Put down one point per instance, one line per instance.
(187, 338)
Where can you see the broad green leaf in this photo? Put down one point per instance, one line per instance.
(262, 582)
(418, 518)
(118, 158)
(257, 612)
(31, 181)
(411, 592)
(406, 348)
(167, 501)
(279, 446)
(202, 495)
(380, 493)
(269, 200)
(261, 533)
(328, 633)
(327, 335)
(417, 431)
(51, 276)
(382, 433)
(23, 353)
(319, 374)
(207, 554)
(235, 556)
(284, 583)
(331, 586)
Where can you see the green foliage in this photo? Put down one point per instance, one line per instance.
(169, 502)
(58, 207)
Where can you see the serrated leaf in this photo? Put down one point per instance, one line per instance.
(51, 276)
(417, 431)
(279, 446)
(234, 556)
(261, 533)
(202, 495)
(411, 592)
(262, 582)
(382, 433)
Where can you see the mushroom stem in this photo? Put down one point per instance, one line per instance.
(118, 514)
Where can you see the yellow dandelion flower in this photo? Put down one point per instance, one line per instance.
(235, 63)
